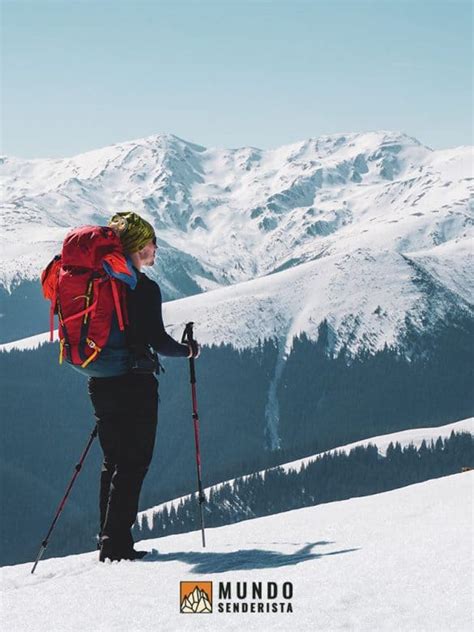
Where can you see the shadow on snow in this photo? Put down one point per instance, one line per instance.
(246, 559)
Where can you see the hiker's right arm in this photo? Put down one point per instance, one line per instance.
(159, 339)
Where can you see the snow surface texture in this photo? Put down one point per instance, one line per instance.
(413, 436)
(400, 561)
(361, 229)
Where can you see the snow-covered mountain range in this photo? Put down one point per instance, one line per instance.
(364, 230)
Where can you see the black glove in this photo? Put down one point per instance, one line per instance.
(194, 349)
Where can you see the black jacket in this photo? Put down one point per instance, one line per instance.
(146, 327)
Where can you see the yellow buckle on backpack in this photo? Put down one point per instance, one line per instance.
(97, 350)
(61, 350)
(88, 297)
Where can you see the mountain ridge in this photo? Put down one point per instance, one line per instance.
(412, 436)
(230, 216)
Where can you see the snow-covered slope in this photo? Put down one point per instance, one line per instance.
(361, 229)
(365, 296)
(401, 560)
(413, 436)
(285, 304)
(31, 342)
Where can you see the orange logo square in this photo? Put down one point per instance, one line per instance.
(195, 597)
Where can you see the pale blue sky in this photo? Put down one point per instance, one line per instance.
(79, 75)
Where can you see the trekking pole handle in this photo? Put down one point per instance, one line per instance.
(188, 334)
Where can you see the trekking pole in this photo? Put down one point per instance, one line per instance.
(188, 337)
(78, 467)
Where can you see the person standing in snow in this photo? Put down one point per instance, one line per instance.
(124, 392)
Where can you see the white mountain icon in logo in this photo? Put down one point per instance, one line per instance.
(197, 601)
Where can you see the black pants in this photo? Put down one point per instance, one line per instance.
(126, 409)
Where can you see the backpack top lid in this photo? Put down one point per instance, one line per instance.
(86, 247)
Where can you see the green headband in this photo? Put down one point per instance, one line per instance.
(134, 231)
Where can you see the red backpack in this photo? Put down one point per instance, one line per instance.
(85, 292)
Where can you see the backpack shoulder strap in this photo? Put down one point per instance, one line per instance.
(49, 284)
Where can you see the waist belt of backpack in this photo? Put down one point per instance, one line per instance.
(144, 360)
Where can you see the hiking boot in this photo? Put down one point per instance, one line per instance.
(108, 552)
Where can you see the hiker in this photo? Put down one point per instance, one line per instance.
(124, 392)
